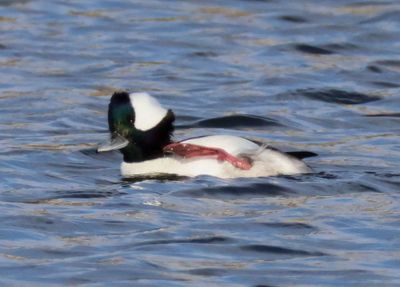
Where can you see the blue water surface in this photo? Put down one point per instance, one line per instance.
(322, 76)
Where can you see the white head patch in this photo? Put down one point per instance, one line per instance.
(148, 111)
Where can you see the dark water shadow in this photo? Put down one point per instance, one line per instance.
(310, 49)
(384, 84)
(315, 184)
(331, 96)
(13, 2)
(229, 191)
(293, 19)
(385, 115)
(207, 272)
(288, 225)
(258, 248)
(326, 49)
(204, 240)
(75, 194)
(339, 96)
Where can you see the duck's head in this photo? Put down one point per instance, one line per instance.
(140, 127)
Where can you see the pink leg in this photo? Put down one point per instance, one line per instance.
(186, 150)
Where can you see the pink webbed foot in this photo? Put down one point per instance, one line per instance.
(187, 150)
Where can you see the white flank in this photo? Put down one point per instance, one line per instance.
(148, 111)
(266, 162)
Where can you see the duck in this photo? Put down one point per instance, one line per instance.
(142, 130)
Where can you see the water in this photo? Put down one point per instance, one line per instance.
(301, 75)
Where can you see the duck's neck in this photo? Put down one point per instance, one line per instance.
(142, 152)
(149, 144)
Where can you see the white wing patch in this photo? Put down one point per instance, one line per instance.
(148, 111)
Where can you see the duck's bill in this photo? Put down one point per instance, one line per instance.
(115, 143)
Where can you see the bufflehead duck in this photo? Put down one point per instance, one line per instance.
(142, 129)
